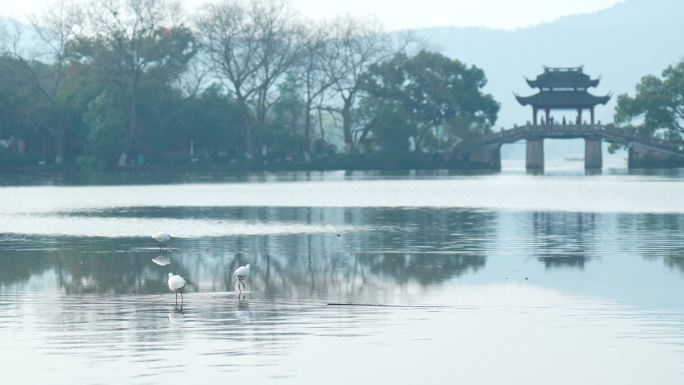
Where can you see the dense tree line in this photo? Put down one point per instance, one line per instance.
(113, 83)
(657, 108)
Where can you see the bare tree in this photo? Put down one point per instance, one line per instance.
(59, 26)
(251, 46)
(355, 45)
(5, 41)
(195, 79)
(315, 51)
(55, 29)
(132, 29)
(46, 61)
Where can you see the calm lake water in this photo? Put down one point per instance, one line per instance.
(507, 278)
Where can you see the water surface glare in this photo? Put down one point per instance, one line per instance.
(559, 193)
(564, 279)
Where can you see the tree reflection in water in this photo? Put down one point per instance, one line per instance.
(571, 261)
(389, 247)
(659, 237)
(564, 240)
(381, 251)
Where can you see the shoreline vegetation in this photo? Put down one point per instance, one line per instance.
(362, 162)
(246, 86)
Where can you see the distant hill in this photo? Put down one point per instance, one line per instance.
(622, 43)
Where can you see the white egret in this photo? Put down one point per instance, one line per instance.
(241, 274)
(161, 237)
(176, 284)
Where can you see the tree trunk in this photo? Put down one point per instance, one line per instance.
(366, 131)
(59, 144)
(248, 139)
(346, 127)
(122, 159)
(307, 132)
(320, 124)
(132, 124)
(248, 124)
(417, 144)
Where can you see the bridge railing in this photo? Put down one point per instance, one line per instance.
(604, 130)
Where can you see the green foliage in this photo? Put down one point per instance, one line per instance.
(127, 89)
(141, 71)
(284, 137)
(24, 113)
(657, 109)
(212, 121)
(14, 159)
(391, 130)
(439, 100)
(168, 52)
(105, 138)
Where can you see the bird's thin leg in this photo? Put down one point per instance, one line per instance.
(176, 298)
(181, 297)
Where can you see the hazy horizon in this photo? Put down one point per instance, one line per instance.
(426, 14)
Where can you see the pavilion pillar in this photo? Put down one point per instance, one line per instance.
(592, 115)
(579, 116)
(593, 154)
(548, 116)
(534, 116)
(535, 154)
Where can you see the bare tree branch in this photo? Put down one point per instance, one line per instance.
(251, 45)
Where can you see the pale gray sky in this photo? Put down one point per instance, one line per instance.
(406, 14)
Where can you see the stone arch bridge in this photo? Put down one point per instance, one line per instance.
(643, 151)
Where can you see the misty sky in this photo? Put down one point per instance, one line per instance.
(406, 15)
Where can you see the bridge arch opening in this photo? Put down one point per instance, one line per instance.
(513, 156)
(582, 153)
(571, 154)
(561, 155)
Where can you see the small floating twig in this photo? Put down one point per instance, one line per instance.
(382, 305)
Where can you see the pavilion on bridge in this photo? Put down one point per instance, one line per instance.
(562, 88)
(566, 88)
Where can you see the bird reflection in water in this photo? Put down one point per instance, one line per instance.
(242, 313)
(162, 260)
(176, 316)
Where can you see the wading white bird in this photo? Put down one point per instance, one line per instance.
(162, 238)
(241, 274)
(176, 284)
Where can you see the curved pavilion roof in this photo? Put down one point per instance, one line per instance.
(562, 100)
(563, 77)
(563, 88)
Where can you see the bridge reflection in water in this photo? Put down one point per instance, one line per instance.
(644, 151)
